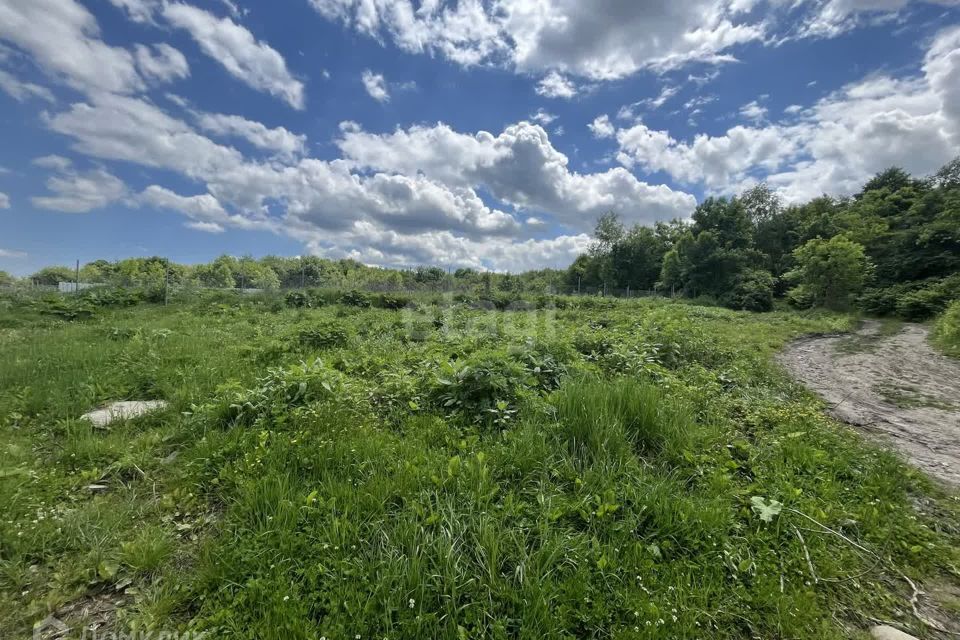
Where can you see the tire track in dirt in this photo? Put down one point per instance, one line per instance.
(894, 388)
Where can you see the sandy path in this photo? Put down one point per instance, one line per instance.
(894, 388)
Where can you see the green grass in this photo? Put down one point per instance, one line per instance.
(589, 471)
(946, 332)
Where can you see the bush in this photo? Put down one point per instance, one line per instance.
(800, 298)
(356, 298)
(753, 292)
(326, 335)
(297, 300)
(474, 389)
(392, 301)
(947, 331)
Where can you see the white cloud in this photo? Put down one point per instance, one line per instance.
(830, 18)
(554, 85)
(793, 109)
(601, 127)
(519, 166)
(205, 211)
(133, 130)
(233, 46)
(63, 38)
(137, 10)
(833, 146)
(10, 253)
(665, 94)
(4, 201)
(53, 161)
(206, 227)
(278, 140)
(21, 91)
(543, 117)
(403, 198)
(77, 192)
(163, 63)
(376, 85)
(535, 36)
(753, 110)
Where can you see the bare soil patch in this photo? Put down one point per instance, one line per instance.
(894, 388)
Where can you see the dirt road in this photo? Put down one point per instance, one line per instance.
(894, 388)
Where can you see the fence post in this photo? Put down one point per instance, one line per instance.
(77, 281)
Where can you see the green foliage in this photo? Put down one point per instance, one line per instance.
(325, 335)
(51, 276)
(832, 272)
(598, 471)
(947, 330)
(296, 299)
(356, 298)
(753, 292)
(472, 389)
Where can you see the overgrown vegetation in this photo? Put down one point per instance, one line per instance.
(891, 249)
(947, 330)
(329, 468)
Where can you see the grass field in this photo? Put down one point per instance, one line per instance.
(606, 469)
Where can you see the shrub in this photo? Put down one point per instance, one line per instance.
(392, 301)
(474, 389)
(297, 300)
(753, 292)
(800, 298)
(325, 335)
(947, 330)
(356, 298)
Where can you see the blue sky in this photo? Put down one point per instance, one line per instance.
(482, 133)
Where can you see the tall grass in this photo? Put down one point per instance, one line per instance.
(594, 481)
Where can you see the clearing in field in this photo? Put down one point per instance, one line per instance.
(579, 468)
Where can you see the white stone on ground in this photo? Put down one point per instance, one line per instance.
(123, 411)
(885, 632)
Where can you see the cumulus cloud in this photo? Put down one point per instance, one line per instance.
(204, 210)
(555, 85)
(403, 198)
(253, 62)
(21, 91)
(63, 38)
(376, 85)
(80, 192)
(601, 127)
(161, 62)
(4, 201)
(519, 166)
(753, 110)
(277, 140)
(570, 36)
(830, 147)
(134, 130)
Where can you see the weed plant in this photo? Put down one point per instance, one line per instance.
(354, 468)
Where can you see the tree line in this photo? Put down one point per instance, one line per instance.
(892, 248)
(275, 272)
